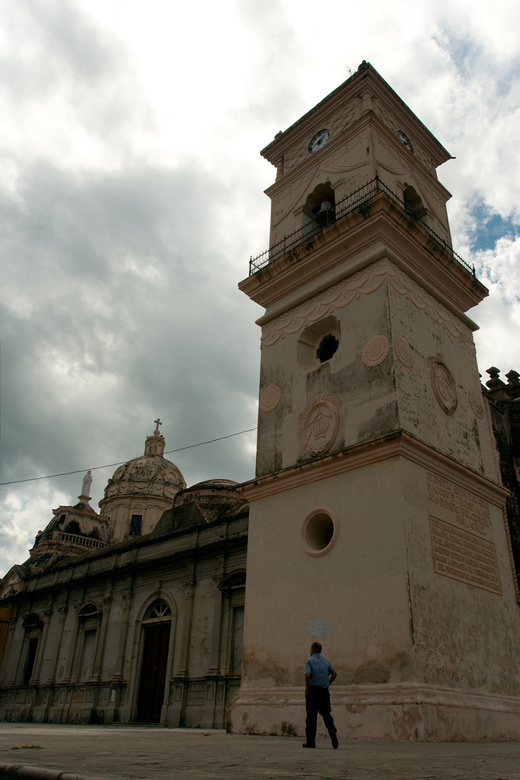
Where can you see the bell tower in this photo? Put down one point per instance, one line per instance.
(376, 513)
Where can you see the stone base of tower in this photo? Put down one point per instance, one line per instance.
(404, 712)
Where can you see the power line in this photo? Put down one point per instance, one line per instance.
(121, 462)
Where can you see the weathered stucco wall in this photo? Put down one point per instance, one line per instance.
(359, 587)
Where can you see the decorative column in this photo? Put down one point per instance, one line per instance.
(100, 648)
(117, 678)
(214, 686)
(181, 677)
(35, 679)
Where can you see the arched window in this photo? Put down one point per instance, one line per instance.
(159, 610)
(87, 610)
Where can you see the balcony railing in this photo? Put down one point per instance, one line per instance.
(355, 200)
(83, 541)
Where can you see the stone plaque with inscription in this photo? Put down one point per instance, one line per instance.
(462, 536)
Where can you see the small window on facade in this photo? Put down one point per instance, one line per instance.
(135, 525)
(327, 348)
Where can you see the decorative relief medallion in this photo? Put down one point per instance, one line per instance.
(443, 385)
(475, 400)
(375, 351)
(403, 352)
(319, 423)
(270, 398)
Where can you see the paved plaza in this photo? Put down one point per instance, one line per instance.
(140, 753)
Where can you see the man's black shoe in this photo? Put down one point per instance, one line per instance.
(334, 740)
(309, 746)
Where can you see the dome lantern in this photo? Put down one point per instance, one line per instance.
(141, 490)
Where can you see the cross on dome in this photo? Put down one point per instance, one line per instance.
(155, 443)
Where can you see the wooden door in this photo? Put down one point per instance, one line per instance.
(153, 672)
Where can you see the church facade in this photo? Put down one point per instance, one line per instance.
(383, 519)
(131, 615)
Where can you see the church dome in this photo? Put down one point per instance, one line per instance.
(150, 474)
(205, 502)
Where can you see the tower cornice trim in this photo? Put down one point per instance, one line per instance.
(369, 278)
(396, 445)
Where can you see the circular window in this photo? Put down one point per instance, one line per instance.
(327, 348)
(319, 531)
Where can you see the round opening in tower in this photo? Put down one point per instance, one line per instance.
(319, 531)
(328, 347)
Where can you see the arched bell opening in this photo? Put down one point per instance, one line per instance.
(320, 208)
(413, 204)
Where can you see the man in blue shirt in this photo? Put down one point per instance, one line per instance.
(319, 675)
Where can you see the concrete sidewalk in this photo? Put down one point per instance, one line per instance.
(140, 753)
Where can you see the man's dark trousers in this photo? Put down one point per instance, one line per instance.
(317, 700)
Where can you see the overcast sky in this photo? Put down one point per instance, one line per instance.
(131, 198)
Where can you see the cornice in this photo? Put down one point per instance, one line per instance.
(379, 229)
(395, 445)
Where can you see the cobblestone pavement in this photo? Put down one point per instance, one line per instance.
(140, 753)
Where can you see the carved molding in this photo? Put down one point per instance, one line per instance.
(362, 455)
(364, 282)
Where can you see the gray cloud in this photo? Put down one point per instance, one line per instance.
(113, 318)
(123, 239)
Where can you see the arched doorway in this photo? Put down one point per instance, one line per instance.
(156, 643)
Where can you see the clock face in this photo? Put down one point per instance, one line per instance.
(319, 140)
(405, 140)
